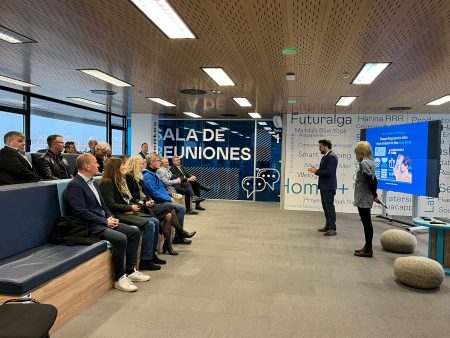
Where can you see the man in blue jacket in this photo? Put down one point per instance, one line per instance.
(327, 185)
(154, 188)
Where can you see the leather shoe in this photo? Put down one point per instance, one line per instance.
(330, 233)
(148, 265)
(191, 212)
(205, 188)
(186, 234)
(197, 199)
(158, 260)
(324, 229)
(183, 241)
(364, 253)
(199, 207)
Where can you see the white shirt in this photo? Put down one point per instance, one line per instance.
(90, 183)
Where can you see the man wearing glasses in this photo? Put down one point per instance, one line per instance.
(52, 164)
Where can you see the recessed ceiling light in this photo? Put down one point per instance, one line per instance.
(292, 101)
(219, 76)
(289, 51)
(262, 123)
(242, 101)
(247, 136)
(188, 113)
(16, 82)
(212, 123)
(438, 102)
(105, 77)
(345, 100)
(165, 18)
(80, 99)
(161, 101)
(290, 77)
(240, 135)
(369, 72)
(216, 91)
(254, 115)
(13, 37)
(234, 132)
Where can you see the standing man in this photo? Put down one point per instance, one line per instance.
(144, 150)
(85, 202)
(52, 164)
(327, 185)
(14, 166)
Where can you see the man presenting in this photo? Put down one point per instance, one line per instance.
(327, 185)
(86, 203)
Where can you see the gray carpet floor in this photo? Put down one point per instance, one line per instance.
(256, 271)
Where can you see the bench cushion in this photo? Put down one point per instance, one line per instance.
(24, 271)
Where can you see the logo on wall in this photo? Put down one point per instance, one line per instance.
(265, 178)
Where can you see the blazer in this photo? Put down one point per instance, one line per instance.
(142, 155)
(82, 204)
(117, 204)
(14, 168)
(327, 172)
(177, 173)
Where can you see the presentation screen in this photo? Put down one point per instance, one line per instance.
(407, 157)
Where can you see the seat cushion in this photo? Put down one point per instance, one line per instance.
(419, 272)
(24, 271)
(398, 241)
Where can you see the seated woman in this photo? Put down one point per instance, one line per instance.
(118, 199)
(163, 211)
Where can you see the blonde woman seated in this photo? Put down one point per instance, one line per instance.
(118, 199)
(163, 211)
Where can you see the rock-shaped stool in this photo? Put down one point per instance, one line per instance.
(398, 241)
(419, 272)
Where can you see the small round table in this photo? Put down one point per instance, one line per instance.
(438, 242)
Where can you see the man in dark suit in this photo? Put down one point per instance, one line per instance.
(178, 171)
(14, 167)
(327, 185)
(144, 150)
(85, 202)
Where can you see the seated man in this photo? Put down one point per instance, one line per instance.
(176, 186)
(154, 188)
(52, 165)
(85, 202)
(178, 170)
(14, 166)
(70, 148)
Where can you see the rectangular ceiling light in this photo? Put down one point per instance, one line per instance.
(165, 18)
(161, 101)
(80, 99)
(188, 113)
(242, 101)
(254, 115)
(224, 128)
(212, 123)
(16, 82)
(219, 76)
(105, 77)
(438, 102)
(234, 132)
(13, 37)
(262, 123)
(346, 100)
(369, 72)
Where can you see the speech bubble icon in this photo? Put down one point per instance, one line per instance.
(270, 175)
(247, 184)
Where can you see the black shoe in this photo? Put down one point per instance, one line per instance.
(191, 212)
(186, 234)
(364, 253)
(205, 188)
(199, 207)
(330, 233)
(197, 199)
(182, 241)
(148, 265)
(324, 229)
(158, 260)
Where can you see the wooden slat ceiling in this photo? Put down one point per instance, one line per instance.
(333, 38)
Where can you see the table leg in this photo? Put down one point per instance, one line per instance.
(440, 246)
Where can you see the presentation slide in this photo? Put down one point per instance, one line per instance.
(400, 153)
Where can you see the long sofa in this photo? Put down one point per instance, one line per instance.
(51, 273)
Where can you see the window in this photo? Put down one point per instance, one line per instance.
(9, 122)
(117, 141)
(74, 124)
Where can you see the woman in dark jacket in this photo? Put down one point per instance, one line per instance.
(118, 199)
(163, 211)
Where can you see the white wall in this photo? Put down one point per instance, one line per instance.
(144, 129)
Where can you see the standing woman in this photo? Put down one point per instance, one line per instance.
(365, 193)
(118, 199)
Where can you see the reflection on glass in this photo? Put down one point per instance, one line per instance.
(10, 122)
